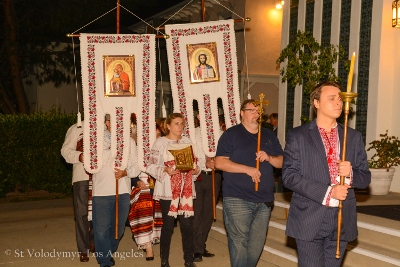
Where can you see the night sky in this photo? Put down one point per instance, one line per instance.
(143, 9)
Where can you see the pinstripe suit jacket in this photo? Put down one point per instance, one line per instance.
(305, 172)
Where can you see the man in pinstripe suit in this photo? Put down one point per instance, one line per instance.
(311, 169)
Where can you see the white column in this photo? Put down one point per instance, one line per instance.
(317, 27)
(354, 42)
(283, 86)
(298, 91)
(384, 89)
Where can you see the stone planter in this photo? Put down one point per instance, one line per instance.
(380, 181)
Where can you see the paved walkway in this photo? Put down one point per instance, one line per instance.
(41, 233)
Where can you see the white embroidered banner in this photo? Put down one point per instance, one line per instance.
(203, 67)
(118, 78)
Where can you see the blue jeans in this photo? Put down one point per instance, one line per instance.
(246, 224)
(104, 225)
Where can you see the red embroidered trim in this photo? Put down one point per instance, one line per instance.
(119, 126)
(330, 145)
(328, 198)
(209, 126)
(92, 98)
(225, 29)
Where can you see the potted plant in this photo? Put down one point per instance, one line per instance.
(387, 156)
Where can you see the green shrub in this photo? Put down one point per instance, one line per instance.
(30, 152)
(387, 152)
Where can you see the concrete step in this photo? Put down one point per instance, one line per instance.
(377, 244)
(280, 253)
(273, 255)
(372, 229)
(370, 255)
(379, 231)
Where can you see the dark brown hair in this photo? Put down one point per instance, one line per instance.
(159, 128)
(244, 105)
(316, 92)
(169, 119)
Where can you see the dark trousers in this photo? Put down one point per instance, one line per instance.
(83, 230)
(167, 229)
(203, 209)
(321, 251)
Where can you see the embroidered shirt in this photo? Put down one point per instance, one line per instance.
(332, 150)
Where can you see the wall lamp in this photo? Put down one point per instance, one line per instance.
(396, 14)
(280, 4)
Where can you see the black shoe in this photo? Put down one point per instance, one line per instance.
(84, 257)
(165, 264)
(112, 261)
(190, 264)
(197, 257)
(207, 254)
(149, 258)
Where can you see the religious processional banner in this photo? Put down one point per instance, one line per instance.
(118, 78)
(203, 66)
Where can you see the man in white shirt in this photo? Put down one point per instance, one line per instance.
(72, 153)
(203, 210)
(104, 200)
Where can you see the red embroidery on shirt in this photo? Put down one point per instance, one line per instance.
(332, 151)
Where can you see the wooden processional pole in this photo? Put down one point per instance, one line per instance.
(347, 98)
(214, 201)
(260, 103)
(116, 180)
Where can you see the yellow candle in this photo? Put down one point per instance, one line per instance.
(350, 79)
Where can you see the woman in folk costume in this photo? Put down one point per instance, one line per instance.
(174, 188)
(145, 214)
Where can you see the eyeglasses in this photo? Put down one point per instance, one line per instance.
(251, 110)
